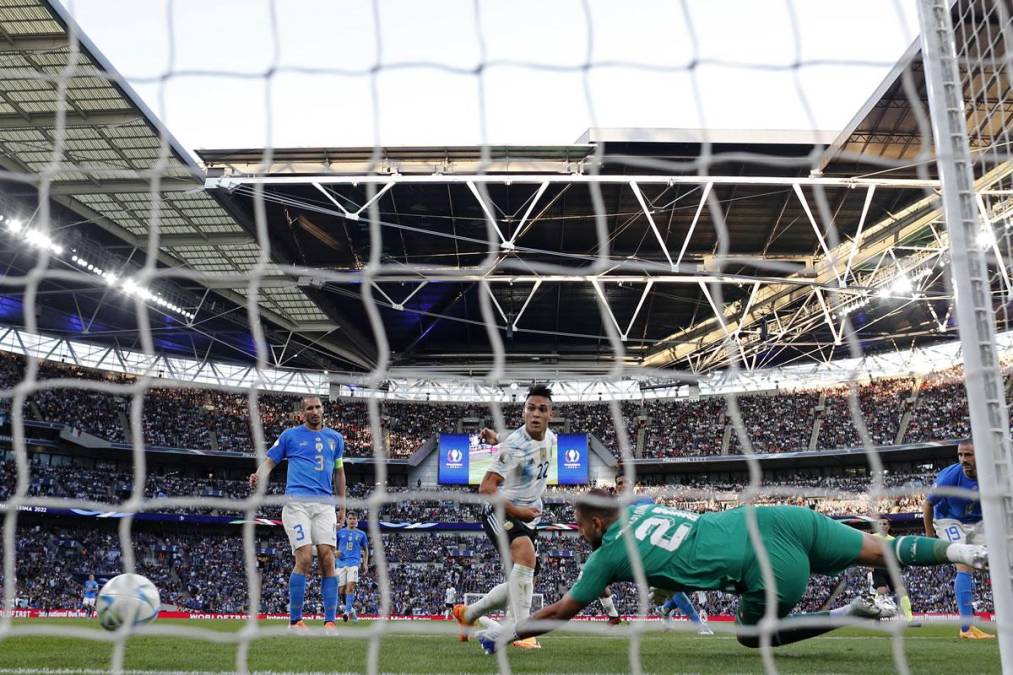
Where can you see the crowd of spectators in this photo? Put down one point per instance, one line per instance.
(596, 418)
(214, 419)
(207, 572)
(828, 494)
(779, 422)
(941, 410)
(882, 404)
(678, 428)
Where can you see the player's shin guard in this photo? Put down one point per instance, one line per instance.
(522, 588)
(686, 607)
(919, 551)
(296, 596)
(329, 591)
(608, 605)
(494, 599)
(963, 585)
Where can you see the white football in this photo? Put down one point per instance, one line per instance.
(127, 599)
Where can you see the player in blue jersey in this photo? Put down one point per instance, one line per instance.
(353, 551)
(958, 519)
(315, 473)
(678, 601)
(90, 593)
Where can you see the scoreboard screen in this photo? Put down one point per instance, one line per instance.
(464, 459)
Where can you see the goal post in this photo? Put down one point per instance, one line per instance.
(974, 303)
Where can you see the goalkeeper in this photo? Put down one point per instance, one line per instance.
(683, 551)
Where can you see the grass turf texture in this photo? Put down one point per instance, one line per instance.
(934, 649)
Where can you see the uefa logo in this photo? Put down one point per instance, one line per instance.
(454, 456)
(572, 456)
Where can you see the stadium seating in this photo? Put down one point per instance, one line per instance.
(111, 487)
(895, 410)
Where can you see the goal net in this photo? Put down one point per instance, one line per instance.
(812, 312)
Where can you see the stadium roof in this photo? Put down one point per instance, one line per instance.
(659, 197)
(114, 155)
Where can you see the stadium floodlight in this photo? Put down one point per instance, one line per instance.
(38, 239)
(128, 286)
(901, 285)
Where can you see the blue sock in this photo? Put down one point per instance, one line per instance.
(349, 601)
(329, 589)
(296, 595)
(686, 607)
(962, 588)
(669, 605)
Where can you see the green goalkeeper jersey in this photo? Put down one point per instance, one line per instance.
(683, 551)
(679, 550)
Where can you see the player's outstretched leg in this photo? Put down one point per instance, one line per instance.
(467, 615)
(908, 550)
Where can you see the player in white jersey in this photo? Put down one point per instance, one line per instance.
(519, 472)
(449, 598)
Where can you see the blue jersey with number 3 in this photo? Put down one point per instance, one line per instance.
(351, 544)
(312, 457)
(959, 508)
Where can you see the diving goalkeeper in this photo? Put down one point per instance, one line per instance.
(683, 551)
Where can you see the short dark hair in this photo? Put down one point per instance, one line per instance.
(539, 390)
(597, 502)
(308, 397)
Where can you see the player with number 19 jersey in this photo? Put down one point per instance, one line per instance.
(524, 464)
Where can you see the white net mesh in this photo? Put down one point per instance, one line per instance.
(701, 300)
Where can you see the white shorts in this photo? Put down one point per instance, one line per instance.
(310, 523)
(88, 602)
(953, 530)
(348, 575)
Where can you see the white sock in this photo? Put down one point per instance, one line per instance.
(610, 607)
(841, 611)
(522, 587)
(494, 599)
(487, 623)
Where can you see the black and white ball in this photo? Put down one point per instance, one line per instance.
(127, 599)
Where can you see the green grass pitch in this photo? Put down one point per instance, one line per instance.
(930, 649)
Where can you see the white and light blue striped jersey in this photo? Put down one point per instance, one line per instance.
(525, 465)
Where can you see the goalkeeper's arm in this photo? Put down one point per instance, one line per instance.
(561, 611)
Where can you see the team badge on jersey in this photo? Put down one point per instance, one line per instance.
(320, 446)
(508, 525)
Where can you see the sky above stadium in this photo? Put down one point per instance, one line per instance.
(404, 72)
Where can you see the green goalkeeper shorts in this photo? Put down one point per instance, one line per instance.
(799, 542)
